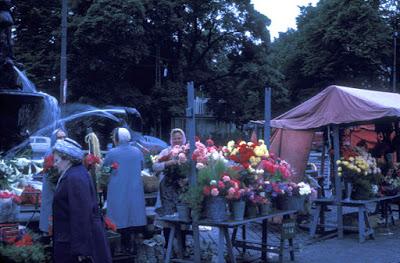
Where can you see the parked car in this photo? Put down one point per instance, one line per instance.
(39, 144)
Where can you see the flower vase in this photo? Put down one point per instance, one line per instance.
(216, 208)
(251, 210)
(294, 202)
(238, 209)
(265, 209)
(349, 190)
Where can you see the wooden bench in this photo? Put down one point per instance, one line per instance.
(364, 227)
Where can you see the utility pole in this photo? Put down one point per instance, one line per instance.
(63, 59)
(394, 60)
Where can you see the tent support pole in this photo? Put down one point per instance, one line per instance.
(190, 129)
(267, 116)
(322, 170)
(338, 185)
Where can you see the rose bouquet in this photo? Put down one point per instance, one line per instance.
(49, 170)
(179, 170)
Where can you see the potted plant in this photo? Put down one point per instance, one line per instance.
(236, 196)
(295, 195)
(215, 180)
(24, 249)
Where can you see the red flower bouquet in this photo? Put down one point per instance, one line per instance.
(50, 170)
(91, 160)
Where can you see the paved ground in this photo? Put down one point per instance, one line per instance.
(384, 249)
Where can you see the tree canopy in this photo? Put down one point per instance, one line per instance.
(141, 53)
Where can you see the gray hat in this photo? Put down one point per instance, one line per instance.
(70, 148)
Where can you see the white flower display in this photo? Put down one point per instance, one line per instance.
(304, 189)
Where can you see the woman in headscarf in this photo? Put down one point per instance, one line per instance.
(125, 194)
(78, 228)
(170, 184)
(48, 187)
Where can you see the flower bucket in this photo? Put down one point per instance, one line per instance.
(251, 210)
(183, 212)
(216, 208)
(265, 209)
(238, 209)
(294, 202)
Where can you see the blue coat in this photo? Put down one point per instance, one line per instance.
(46, 205)
(78, 228)
(125, 193)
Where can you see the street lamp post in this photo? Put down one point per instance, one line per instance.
(63, 59)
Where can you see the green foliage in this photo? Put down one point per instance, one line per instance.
(337, 42)
(223, 46)
(194, 198)
(24, 254)
(212, 171)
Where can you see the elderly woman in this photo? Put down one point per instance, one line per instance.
(78, 228)
(125, 194)
(49, 188)
(170, 184)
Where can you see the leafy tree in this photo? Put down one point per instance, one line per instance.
(36, 41)
(337, 42)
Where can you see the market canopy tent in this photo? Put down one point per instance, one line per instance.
(340, 105)
(334, 105)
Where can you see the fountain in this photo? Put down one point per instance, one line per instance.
(21, 106)
(25, 112)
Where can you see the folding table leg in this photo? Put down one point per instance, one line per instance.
(291, 246)
(196, 241)
(229, 245)
(264, 245)
(170, 244)
(244, 237)
(313, 228)
(180, 243)
(361, 224)
(221, 245)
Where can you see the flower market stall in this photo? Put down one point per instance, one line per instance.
(332, 110)
(20, 198)
(233, 185)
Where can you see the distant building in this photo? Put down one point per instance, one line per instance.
(207, 124)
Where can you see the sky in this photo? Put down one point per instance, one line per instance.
(282, 13)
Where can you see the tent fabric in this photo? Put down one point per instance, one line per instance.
(292, 138)
(294, 147)
(339, 105)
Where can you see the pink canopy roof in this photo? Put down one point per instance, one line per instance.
(336, 105)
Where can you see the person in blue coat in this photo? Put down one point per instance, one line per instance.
(125, 194)
(78, 228)
(48, 187)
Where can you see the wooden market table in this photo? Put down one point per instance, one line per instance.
(226, 240)
(364, 228)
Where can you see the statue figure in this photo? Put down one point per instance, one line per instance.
(8, 78)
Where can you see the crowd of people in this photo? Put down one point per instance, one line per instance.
(70, 213)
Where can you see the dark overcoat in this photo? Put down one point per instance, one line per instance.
(78, 229)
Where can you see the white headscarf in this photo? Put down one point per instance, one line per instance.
(124, 135)
(181, 132)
